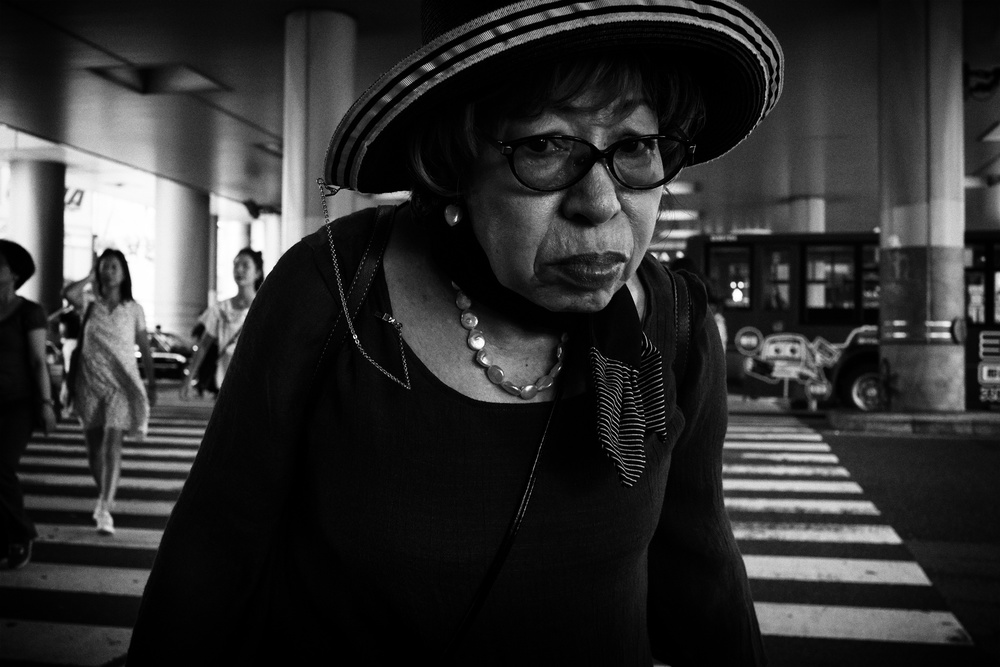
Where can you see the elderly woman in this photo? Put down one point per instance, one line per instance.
(508, 451)
(25, 397)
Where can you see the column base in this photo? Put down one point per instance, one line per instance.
(924, 377)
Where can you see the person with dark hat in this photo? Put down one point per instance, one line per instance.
(485, 427)
(25, 397)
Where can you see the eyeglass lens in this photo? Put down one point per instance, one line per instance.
(553, 163)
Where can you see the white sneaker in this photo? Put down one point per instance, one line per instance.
(105, 524)
(98, 509)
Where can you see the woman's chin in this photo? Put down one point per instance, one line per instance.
(562, 301)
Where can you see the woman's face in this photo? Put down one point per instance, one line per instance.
(6, 275)
(112, 273)
(244, 270)
(569, 250)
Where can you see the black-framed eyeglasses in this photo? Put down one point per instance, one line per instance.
(550, 162)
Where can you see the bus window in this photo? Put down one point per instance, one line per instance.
(729, 274)
(830, 278)
(869, 277)
(777, 276)
(996, 284)
(975, 283)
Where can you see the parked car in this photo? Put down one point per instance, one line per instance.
(171, 354)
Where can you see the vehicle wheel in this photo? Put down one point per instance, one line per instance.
(861, 388)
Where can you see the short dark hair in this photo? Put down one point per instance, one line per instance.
(444, 144)
(19, 260)
(257, 257)
(126, 287)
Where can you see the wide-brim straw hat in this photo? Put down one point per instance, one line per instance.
(19, 260)
(734, 57)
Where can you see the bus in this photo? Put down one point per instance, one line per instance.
(802, 314)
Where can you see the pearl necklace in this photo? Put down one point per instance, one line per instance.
(477, 343)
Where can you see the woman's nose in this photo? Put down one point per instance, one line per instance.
(594, 199)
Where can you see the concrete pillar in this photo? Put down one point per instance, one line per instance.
(245, 236)
(319, 89)
(213, 260)
(183, 260)
(991, 206)
(272, 239)
(808, 214)
(921, 156)
(37, 192)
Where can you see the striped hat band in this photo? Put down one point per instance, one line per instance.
(734, 58)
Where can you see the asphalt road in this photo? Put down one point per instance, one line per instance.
(942, 496)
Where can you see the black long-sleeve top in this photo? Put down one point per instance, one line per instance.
(359, 532)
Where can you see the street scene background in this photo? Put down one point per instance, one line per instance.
(862, 549)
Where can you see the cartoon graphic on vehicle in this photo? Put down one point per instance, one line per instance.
(788, 357)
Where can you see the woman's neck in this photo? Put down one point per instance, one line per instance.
(8, 297)
(244, 297)
(112, 296)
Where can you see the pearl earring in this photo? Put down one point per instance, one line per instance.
(452, 214)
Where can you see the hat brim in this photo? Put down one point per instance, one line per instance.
(734, 58)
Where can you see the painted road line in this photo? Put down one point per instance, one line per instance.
(124, 538)
(43, 479)
(128, 452)
(789, 486)
(815, 532)
(789, 437)
(789, 457)
(784, 471)
(777, 446)
(127, 465)
(802, 505)
(151, 441)
(836, 570)
(154, 508)
(750, 428)
(860, 623)
(77, 579)
(61, 643)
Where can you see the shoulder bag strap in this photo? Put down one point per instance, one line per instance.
(501, 555)
(83, 324)
(682, 324)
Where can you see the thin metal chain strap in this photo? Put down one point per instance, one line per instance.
(327, 190)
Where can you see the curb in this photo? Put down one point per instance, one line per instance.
(956, 423)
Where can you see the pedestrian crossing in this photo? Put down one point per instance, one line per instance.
(75, 603)
(833, 583)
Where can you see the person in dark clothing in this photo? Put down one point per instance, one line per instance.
(25, 397)
(485, 426)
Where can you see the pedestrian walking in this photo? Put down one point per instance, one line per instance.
(485, 426)
(25, 397)
(108, 393)
(222, 322)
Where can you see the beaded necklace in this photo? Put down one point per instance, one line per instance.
(477, 343)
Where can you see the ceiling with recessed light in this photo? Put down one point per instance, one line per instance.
(192, 92)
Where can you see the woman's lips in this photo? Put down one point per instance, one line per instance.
(589, 270)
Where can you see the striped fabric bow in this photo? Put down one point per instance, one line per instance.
(629, 403)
